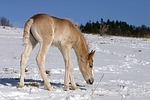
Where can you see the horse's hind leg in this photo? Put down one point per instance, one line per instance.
(41, 63)
(24, 58)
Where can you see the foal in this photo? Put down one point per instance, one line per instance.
(62, 33)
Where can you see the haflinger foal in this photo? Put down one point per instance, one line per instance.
(64, 34)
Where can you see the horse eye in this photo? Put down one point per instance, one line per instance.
(90, 66)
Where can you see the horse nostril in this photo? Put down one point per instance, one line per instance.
(90, 81)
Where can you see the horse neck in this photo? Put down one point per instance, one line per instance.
(81, 49)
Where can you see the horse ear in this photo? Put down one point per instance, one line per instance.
(90, 55)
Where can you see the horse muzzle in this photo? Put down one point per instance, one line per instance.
(90, 81)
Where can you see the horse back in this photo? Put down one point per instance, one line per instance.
(60, 31)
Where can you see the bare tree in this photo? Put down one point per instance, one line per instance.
(5, 22)
(103, 29)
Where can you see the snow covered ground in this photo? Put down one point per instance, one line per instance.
(121, 70)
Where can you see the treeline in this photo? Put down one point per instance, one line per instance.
(117, 28)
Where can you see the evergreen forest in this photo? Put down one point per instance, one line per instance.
(116, 28)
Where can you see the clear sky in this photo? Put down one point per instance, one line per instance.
(135, 12)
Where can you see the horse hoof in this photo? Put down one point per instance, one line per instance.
(20, 86)
(67, 89)
(49, 89)
(74, 88)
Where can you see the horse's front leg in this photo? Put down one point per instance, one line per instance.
(72, 78)
(73, 84)
(66, 78)
(69, 75)
(65, 53)
(68, 69)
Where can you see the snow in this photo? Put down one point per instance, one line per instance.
(121, 70)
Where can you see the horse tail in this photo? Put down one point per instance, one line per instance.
(27, 31)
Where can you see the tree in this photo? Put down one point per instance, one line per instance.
(103, 29)
(88, 27)
(117, 28)
(4, 22)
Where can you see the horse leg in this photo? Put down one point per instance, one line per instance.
(23, 62)
(72, 78)
(68, 69)
(24, 58)
(41, 64)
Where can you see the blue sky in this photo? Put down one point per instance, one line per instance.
(135, 12)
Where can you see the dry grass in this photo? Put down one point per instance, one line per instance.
(32, 84)
(94, 89)
(147, 36)
(47, 72)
